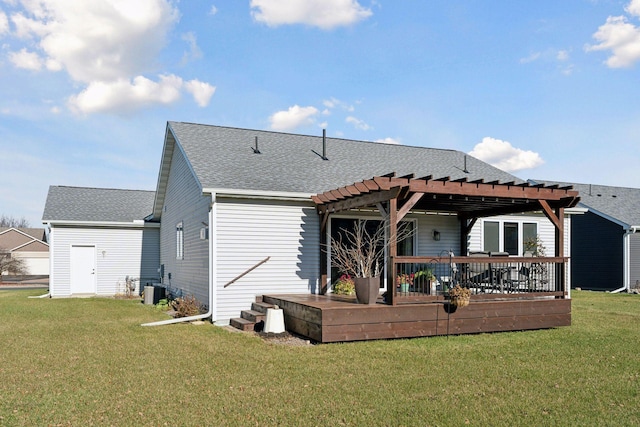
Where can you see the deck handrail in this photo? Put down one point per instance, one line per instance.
(483, 259)
(483, 274)
(247, 271)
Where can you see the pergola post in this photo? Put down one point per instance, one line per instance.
(324, 286)
(392, 251)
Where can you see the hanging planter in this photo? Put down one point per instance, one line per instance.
(459, 296)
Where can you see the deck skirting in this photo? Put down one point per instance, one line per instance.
(326, 318)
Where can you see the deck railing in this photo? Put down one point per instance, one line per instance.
(428, 278)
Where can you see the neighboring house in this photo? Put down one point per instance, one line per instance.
(228, 199)
(28, 244)
(98, 238)
(605, 240)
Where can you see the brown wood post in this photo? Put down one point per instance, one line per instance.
(559, 250)
(323, 255)
(392, 250)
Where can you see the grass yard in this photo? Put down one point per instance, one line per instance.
(83, 362)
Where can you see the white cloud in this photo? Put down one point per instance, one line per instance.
(633, 8)
(101, 39)
(201, 91)
(105, 45)
(213, 10)
(26, 60)
(389, 140)
(194, 51)
(293, 117)
(122, 95)
(357, 123)
(325, 14)
(620, 37)
(532, 57)
(505, 156)
(562, 55)
(4, 23)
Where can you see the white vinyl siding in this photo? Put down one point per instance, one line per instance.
(120, 252)
(185, 204)
(249, 231)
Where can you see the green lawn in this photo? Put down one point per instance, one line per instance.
(84, 362)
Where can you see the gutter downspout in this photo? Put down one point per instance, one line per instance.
(626, 251)
(47, 295)
(211, 311)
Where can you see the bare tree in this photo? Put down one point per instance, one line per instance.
(361, 252)
(10, 264)
(9, 221)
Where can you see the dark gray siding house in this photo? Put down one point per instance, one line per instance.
(605, 240)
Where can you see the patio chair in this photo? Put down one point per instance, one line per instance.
(521, 281)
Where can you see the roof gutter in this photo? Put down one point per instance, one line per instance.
(135, 224)
(253, 194)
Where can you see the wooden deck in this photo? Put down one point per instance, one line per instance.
(328, 318)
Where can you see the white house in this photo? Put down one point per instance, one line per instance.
(98, 238)
(232, 216)
(237, 219)
(28, 244)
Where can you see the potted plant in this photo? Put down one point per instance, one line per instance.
(422, 280)
(404, 281)
(359, 252)
(344, 286)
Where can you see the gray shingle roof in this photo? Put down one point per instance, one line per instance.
(223, 158)
(97, 204)
(620, 203)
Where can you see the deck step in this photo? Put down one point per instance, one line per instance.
(252, 315)
(261, 306)
(242, 324)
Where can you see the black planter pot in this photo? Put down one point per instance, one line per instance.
(367, 289)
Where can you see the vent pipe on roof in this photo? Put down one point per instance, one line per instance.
(255, 149)
(465, 164)
(324, 144)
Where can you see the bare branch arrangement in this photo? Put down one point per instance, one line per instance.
(359, 252)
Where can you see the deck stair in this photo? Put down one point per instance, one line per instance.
(252, 320)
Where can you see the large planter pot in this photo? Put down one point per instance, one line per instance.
(367, 289)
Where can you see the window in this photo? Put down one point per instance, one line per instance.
(179, 241)
(508, 236)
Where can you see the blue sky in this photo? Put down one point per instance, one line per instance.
(544, 89)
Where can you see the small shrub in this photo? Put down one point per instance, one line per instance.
(186, 306)
(164, 304)
(344, 286)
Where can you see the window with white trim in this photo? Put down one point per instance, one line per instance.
(179, 241)
(508, 236)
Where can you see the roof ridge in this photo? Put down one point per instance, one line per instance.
(102, 188)
(316, 136)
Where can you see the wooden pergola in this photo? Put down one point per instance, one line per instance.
(396, 196)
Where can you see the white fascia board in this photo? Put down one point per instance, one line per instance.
(576, 211)
(105, 224)
(253, 194)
